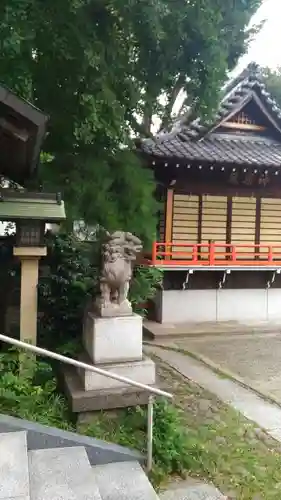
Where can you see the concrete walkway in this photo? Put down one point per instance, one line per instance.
(254, 358)
(266, 415)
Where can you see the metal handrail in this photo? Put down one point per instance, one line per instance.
(86, 366)
(100, 371)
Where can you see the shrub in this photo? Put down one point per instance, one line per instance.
(28, 390)
(145, 282)
(64, 291)
(174, 450)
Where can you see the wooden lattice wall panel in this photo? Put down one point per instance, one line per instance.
(161, 224)
(270, 225)
(185, 220)
(243, 224)
(214, 220)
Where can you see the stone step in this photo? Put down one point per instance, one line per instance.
(123, 481)
(194, 492)
(61, 474)
(14, 477)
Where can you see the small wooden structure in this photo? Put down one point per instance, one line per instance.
(219, 234)
(22, 130)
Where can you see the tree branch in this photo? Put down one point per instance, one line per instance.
(173, 97)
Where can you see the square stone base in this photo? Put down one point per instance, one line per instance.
(140, 371)
(109, 340)
(81, 401)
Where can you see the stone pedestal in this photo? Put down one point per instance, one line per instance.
(115, 345)
(140, 371)
(111, 340)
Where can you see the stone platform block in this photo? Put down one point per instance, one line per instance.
(109, 340)
(83, 402)
(139, 371)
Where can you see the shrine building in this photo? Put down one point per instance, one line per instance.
(219, 231)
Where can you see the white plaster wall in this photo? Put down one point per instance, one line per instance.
(242, 305)
(179, 306)
(274, 304)
(185, 306)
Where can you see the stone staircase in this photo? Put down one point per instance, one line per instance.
(66, 474)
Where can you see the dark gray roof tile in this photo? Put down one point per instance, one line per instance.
(200, 142)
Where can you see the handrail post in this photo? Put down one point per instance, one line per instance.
(149, 433)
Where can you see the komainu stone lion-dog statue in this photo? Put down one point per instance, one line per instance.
(118, 254)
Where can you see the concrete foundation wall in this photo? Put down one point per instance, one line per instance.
(180, 306)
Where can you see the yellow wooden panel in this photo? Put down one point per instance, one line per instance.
(243, 199)
(247, 222)
(212, 198)
(185, 210)
(243, 225)
(185, 236)
(216, 231)
(246, 229)
(192, 224)
(185, 249)
(214, 206)
(242, 214)
(213, 212)
(181, 225)
(186, 206)
(271, 222)
(271, 201)
(270, 230)
(185, 222)
(215, 217)
(209, 225)
(185, 197)
(184, 217)
(190, 218)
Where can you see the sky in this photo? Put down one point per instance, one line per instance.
(265, 49)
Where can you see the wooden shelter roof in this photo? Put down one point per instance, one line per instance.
(17, 205)
(22, 130)
(226, 139)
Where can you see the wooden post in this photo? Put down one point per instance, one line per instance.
(169, 221)
(29, 257)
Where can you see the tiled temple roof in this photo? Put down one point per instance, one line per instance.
(201, 142)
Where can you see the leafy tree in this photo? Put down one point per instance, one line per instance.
(102, 69)
(273, 82)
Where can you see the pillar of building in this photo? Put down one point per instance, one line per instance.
(29, 258)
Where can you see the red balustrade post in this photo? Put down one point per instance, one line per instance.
(211, 253)
(195, 254)
(233, 253)
(270, 253)
(154, 252)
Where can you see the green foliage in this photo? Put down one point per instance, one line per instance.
(173, 450)
(273, 82)
(64, 290)
(99, 69)
(28, 390)
(145, 282)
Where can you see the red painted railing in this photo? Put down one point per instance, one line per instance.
(214, 254)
